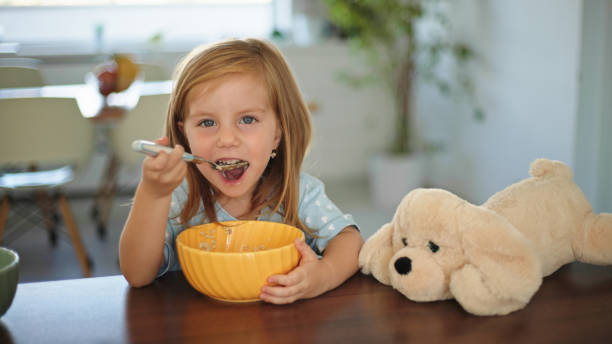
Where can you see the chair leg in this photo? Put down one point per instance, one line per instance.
(4, 210)
(46, 206)
(105, 195)
(77, 243)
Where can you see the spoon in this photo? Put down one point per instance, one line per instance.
(152, 149)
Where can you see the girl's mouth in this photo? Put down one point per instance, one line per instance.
(231, 173)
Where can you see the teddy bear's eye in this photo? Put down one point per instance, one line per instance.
(433, 247)
(404, 242)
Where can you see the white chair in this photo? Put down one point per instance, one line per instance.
(20, 62)
(50, 135)
(145, 121)
(20, 72)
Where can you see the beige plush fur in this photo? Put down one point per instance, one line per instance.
(490, 258)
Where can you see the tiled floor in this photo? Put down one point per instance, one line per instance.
(41, 262)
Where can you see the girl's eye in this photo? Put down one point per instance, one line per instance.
(247, 120)
(207, 123)
(433, 247)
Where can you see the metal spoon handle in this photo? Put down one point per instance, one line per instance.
(152, 149)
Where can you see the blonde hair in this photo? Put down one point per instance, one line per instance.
(279, 190)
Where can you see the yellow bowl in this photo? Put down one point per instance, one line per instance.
(231, 261)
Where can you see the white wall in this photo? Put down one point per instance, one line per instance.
(527, 76)
(594, 146)
(351, 123)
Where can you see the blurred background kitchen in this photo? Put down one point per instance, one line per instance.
(493, 85)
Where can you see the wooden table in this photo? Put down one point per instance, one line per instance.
(574, 305)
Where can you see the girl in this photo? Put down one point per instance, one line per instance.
(236, 101)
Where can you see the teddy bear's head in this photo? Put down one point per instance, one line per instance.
(426, 244)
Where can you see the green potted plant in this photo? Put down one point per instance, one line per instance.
(391, 33)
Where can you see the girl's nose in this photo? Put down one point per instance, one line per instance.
(227, 136)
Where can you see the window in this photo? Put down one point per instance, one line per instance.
(119, 2)
(116, 22)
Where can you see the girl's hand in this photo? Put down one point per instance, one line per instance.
(309, 279)
(162, 173)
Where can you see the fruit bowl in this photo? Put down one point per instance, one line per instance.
(113, 88)
(92, 103)
(230, 261)
(116, 75)
(9, 276)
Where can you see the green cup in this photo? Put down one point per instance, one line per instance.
(9, 276)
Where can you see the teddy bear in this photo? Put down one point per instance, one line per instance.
(490, 258)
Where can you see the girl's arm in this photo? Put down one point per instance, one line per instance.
(314, 276)
(342, 256)
(141, 246)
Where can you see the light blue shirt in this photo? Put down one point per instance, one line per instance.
(314, 209)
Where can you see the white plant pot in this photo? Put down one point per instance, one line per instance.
(391, 177)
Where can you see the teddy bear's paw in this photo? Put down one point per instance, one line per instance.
(469, 288)
(376, 264)
(366, 254)
(376, 252)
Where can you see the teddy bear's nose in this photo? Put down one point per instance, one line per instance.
(403, 265)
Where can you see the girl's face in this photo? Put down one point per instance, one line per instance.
(230, 119)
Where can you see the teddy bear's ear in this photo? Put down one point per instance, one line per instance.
(376, 252)
(502, 270)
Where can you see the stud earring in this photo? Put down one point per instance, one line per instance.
(273, 154)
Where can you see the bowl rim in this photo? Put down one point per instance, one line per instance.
(13, 263)
(240, 222)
